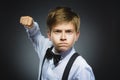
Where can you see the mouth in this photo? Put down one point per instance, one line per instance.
(62, 44)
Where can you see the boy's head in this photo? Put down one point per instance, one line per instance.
(63, 15)
(63, 25)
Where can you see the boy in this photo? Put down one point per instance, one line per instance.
(63, 31)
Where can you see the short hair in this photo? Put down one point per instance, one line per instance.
(63, 14)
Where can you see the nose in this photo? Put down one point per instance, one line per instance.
(63, 36)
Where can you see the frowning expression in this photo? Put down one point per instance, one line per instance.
(63, 36)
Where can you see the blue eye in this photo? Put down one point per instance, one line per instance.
(57, 31)
(69, 31)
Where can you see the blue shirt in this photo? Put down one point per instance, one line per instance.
(80, 70)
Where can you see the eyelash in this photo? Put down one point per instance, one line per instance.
(57, 31)
(69, 31)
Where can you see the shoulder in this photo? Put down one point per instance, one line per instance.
(81, 62)
(82, 70)
(81, 65)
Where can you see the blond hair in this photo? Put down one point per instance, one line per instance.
(62, 14)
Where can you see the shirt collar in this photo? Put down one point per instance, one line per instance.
(64, 54)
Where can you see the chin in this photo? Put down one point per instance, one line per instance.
(62, 49)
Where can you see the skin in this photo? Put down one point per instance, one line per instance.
(62, 35)
(26, 21)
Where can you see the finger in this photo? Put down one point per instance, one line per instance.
(30, 21)
(20, 19)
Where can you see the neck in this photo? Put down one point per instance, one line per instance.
(62, 53)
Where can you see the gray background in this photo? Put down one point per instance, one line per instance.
(97, 43)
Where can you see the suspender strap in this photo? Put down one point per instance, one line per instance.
(43, 62)
(42, 67)
(68, 66)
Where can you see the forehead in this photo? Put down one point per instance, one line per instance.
(64, 26)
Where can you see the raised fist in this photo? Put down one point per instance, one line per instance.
(26, 21)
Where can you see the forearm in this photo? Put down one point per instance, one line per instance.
(38, 40)
(35, 36)
(34, 31)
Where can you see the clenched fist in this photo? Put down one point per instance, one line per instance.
(26, 21)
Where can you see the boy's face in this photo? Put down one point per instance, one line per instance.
(63, 36)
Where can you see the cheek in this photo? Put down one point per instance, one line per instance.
(54, 38)
(72, 39)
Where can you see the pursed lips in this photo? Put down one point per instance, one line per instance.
(62, 44)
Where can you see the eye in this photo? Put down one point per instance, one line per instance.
(69, 31)
(57, 31)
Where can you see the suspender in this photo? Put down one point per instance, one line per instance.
(43, 63)
(67, 68)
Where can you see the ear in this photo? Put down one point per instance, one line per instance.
(77, 35)
(49, 34)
